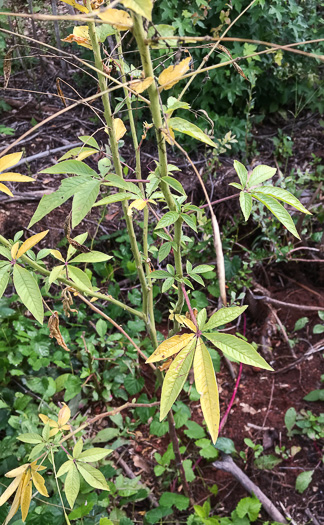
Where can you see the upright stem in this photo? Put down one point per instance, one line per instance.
(115, 153)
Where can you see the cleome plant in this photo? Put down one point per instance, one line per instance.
(166, 236)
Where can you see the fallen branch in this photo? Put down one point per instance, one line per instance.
(316, 348)
(289, 305)
(228, 465)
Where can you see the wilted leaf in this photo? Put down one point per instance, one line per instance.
(9, 160)
(77, 6)
(170, 347)
(64, 415)
(172, 74)
(80, 36)
(206, 386)
(120, 128)
(141, 85)
(117, 18)
(138, 204)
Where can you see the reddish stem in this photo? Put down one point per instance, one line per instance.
(194, 320)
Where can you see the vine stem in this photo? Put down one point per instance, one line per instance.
(225, 416)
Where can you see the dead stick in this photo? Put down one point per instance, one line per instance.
(289, 305)
(228, 465)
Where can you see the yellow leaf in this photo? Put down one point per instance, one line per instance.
(80, 36)
(182, 319)
(10, 490)
(57, 254)
(16, 501)
(53, 432)
(46, 420)
(168, 135)
(120, 129)
(138, 204)
(206, 386)
(64, 415)
(6, 190)
(172, 74)
(117, 18)
(17, 471)
(141, 7)
(36, 467)
(26, 494)
(10, 160)
(170, 347)
(39, 483)
(86, 153)
(27, 245)
(77, 6)
(15, 177)
(140, 85)
(14, 250)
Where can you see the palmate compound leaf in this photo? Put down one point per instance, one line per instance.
(278, 211)
(28, 291)
(176, 377)
(206, 386)
(170, 347)
(237, 348)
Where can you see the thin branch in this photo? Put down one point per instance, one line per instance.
(225, 416)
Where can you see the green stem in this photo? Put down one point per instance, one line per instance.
(140, 37)
(58, 488)
(63, 280)
(115, 153)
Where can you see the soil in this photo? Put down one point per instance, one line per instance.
(263, 398)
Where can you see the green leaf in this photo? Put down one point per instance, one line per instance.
(224, 316)
(133, 384)
(118, 182)
(236, 185)
(175, 184)
(115, 197)
(77, 449)
(246, 204)
(74, 152)
(187, 467)
(31, 438)
(89, 141)
(190, 220)
(167, 284)
(105, 435)
(267, 462)
(315, 395)
(202, 318)
(5, 252)
(206, 386)
(169, 218)
(175, 378)
(72, 484)
(73, 167)
(225, 445)
(48, 203)
(173, 103)
(4, 279)
(282, 195)
(301, 323)
(260, 174)
(241, 172)
(104, 30)
(168, 499)
(92, 257)
(194, 430)
(238, 349)
(79, 277)
(197, 278)
(94, 454)
(250, 506)
(92, 476)
(164, 251)
(28, 291)
(55, 272)
(64, 468)
(303, 481)
(83, 201)
(184, 126)
(278, 211)
(202, 268)
(159, 274)
(318, 329)
(141, 7)
(80, 239)
(290, 418)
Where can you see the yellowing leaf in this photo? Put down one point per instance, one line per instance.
(27, 245)
(10, 160)
(138, 204)
(120, 129)
(77, 6)
(182, 319)
(168, 135)
(117, 18)
(64, 415)
(6, 190)
(175, 377)
(172, 74)
(86, 153)
(141, 7)
(57, 254)
(206, 386)
(15, 177)
(141, 85)
(26, 494)
(17, 471)
(14, 250)
(39, 483)
(16, 501)
(170, 347)
(80, 36)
